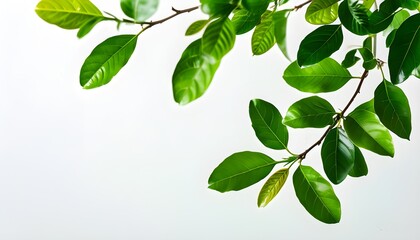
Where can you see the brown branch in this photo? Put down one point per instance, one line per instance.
(302, 5)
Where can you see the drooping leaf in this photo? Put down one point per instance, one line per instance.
(366, 131)
(338, 155)
(316, 195)
(325, 76)
(240, 170)
(196, 27)
(244, 21)
(319, 44)
(312, 112)
(280, 27)
(404, 52)
(193, 74)
(216, 8)
(354, 17)
(393, 109)
(218, 38)
(350, 59)
(409, 4)
(322, 11)
(68, 14)
(256, 6)
(267, 124)
(106, 60)
(272, 187)
(263, 38)
(139, 10)
(360, 167)
(87, 27)
(380, 19)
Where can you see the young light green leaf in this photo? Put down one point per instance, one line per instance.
(267, 124)
(139, 10)
(106, 60)
(244, 21)
(312, 112)
(68, 14)
(368, 3)
(404, 51)
(218, 38)
(218, 8)
(338, 155)
(398, 19)
(354, 17)
(350, 59)
(272, 187)
(196, 27)
(263, 38)
(240, 170)
(280, 27)
(322, 11)
(87, 27)
(193, 74)
(360, 167)
(393, 109)
(319, 44)
(366, 131)
(325, 76)
(316, 195)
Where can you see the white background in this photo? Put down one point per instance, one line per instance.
(126, 162)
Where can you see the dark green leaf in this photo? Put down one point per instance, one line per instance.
(337, 154)
(106, 60)
(244, 21)
(313, 112)
(218, 7)
(368, 44)
(272, 187)
(319, 44)
(322, 11)
(218, 38)
(280, 27)
(196, 27)
(390, 38)
(267, 123)
(316, 195)
(380, 19)
(404, 53)
(350, 59)
(354, 17)
(366, 131)
(240, 170)
(263, 38)
(256, 6)
(325, 76)
(393, 109)
(139, 10)
(369, 61)
(409, 4)
(360, 167)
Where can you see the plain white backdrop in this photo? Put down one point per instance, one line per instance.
(126, 162)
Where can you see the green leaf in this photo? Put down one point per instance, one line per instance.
(360, 167)
(390, 38)
(393, 109)
(325, 76)
(409, 4)
(263, 38)
(87, 27)
(244, 21)
(366, 131)
(380, 19)
(319, 44)
(280, 27)
(398, 19)
(257, 6)
(139, 10)
(219, 8)
(193, 74)
(68, 14)
(354, 17)
(369, 61)
(316, 195)
(405, 50)
(240, 170)
(106, 60)
(368, 3)
(218, 38)
(267, 123)
(196, 27)
(350, 59)
(272, 187)
(312, 112)
(322, 11)
(337, 154)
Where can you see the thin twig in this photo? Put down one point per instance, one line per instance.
(302, 5)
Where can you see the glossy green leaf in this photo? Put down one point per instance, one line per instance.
(267, 124)
(316, 195)
(87, 27)
(380, 19)
(354, 17)
(193, 74)
(325, 76)
(312, 112)
(139, 10)
(272, 187)
(409, 4)
(280, 27)
(257, 6)
(218, 38)
(263, 38)
(360, 167)
(337, 155)
(244, 21)
(240, 170)
(319, 44)
(218, 7)
(365, 130)
(350, 59)
(196, 27)
(369, 61)
(393, 109)
(322, 11)
(398, 19)
(106, 60)
(68, 14)
(404, 52)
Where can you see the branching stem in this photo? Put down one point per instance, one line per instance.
(302, 5)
